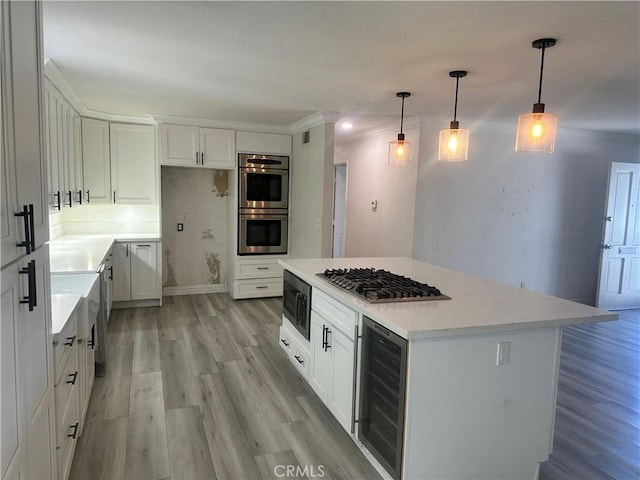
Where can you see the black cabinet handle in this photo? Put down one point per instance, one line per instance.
(114, 196)
(326, 337)
(27, 236)
(88, 197)
(31, 298)
(286, 344)
(70, 194)
(92, 338)
(300, 361)
(57, 195)
(202, 158)
(32, 234)
(73, 376)
(111, 272)
(262, 268)
(262, 286)
(70, 341)
(79, 197)
(74, 430)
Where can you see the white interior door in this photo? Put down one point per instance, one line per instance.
(619, 284)
(339, 207)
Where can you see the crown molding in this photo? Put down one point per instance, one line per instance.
(55, 76)
(314, 120)
(228, 124)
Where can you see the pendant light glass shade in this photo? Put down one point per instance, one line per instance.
(453, 145)
(400, 149)
(537, 130)
(454, 142)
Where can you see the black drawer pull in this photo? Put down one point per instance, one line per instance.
(73, 377)
(285, 343)
(74, 428)
(70, 196)
(262, 286)
(263, 268)
(300, 361)
(57, 195)
(31, 298)
(80, 197)
(70, 341)
(27, 235)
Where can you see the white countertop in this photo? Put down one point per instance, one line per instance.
(477, 305)
(85, 253)
(62, 307)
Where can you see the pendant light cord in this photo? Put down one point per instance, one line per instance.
(541, 70)
(402, 115)
(455, 105)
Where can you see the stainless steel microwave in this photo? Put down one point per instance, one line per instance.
(263, 181)
(262, 233)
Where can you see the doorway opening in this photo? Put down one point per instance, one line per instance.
(339, 209)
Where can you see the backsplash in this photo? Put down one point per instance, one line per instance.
(194, 259)
(95, 219)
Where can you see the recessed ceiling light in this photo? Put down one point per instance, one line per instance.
(347, 126)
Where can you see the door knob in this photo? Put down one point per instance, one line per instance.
(607, 246)
(608, 219)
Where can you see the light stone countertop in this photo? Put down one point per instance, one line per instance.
(84, 253)
(62, 307)
(477, 305)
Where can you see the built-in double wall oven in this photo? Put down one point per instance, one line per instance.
(263, 204)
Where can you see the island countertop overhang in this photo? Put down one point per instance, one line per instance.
(477, 305)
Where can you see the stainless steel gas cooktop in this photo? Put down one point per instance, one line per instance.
(381, 286)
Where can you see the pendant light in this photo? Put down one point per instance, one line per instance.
(537, 130)
(400, 150)
(454, 142)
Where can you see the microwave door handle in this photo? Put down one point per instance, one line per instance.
(299, 298)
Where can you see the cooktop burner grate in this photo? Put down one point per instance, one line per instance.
(381, 286)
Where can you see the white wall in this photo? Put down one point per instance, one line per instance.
(311, 196)
(106, 219)
(520, 217)
(387, 231)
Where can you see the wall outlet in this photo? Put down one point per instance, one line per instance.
(504, 351)
(180, 227)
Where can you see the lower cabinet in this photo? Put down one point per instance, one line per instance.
(292, 343)
(257, 278)
(135, 271)
(332, 371)
(67, 394)
(26, 363)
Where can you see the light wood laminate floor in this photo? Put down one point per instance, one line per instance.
(200, 389)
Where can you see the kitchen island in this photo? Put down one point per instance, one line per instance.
(481, 368)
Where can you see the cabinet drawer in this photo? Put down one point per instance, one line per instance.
(256, 288)
(67, 341)
(285, 340)
(342, 317)
(63, 388)
(264, 269)
(65, 440)
(300, 360)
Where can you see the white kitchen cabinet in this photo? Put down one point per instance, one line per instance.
(255, 142)
(135, 271)
(27, 365)
(95, 160)
(295, 346)
(79, 191)
(256, 278)
(332, 371)
(190, 146)
(133, 163)
(26, 394)
(24, 179)
(67, 386)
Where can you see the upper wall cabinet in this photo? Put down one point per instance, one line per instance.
(63, 145)
(95, 160)
(253, 142)
(133, 176)
(118, 162)
(188, 146)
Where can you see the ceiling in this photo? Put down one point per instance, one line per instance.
(279, 62)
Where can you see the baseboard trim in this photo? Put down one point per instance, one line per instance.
(193, 289)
